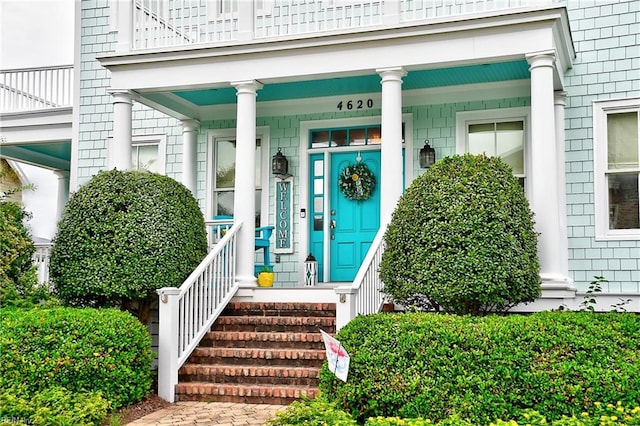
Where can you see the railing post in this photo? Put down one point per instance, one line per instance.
(391, 12)
(125, 10)
(168, 342)
(246, 16)
(346, 306)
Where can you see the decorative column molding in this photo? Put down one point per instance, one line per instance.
(544, 196)
(189, 154)
(391, 185)
(559, 99)
(120, 147)
(63, 191)
(245, 180)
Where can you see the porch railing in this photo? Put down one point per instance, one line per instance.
(186, 313)
(162, 23)
(365, 295)
(30, 89)
(41, 260)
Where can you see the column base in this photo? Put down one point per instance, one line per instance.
(246, 281)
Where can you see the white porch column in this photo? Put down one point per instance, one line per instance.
(544, 167)
(63, 191)
(189, 154)
(559, 103)
(391, 153)
(244, 204)
(120, 147)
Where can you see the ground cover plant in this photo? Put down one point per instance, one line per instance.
(461, 240)
(486, 368)
(98, 357)
(123, 235)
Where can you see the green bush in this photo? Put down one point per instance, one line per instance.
(79, 349)
(462, 240)
(314, 412)
(484, 368)
(52, 406)
(122, 236)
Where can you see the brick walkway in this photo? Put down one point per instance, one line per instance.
(210, 413)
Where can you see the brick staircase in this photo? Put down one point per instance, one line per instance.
(259, 353)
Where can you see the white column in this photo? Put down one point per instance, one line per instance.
(120, 147)
(244, 205)
(390, 178)
(189, 154)
(544, 167)
(559, 103)
(63, 191)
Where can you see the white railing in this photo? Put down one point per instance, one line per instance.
(216, 229)
(36, 88)
(167, 23)
(365, 295)
(187, 313)
(41, 260)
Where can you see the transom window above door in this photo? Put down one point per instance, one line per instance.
(343, 137)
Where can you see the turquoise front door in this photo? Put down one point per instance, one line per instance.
(352, 224)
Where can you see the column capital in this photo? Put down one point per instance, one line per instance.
(560, 97)
(122, 95)
(545, 58)
(392, 73)
(247, 86)
(190, 125)
(62, 174)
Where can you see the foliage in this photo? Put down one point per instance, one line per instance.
(122, 236)
(52, 406)
(314, 412)
(357, 182)
(78, 349)
(484, 368)
(462, 239)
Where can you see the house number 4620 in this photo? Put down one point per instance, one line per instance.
(356, 104)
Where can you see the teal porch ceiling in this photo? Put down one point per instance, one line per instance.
(53, 155)
(425, 79)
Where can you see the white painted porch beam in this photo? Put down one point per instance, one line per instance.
(120, 146)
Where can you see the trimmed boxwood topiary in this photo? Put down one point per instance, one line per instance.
(122, 236)
(81, 350)
(461, 239)
(485, 368)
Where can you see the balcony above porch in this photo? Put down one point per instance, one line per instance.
(160, 25)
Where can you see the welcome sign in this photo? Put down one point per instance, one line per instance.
(284, 215)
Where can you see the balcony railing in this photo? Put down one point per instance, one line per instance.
(36, 88)
(166, 23)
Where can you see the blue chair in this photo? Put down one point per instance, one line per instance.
(263, 235)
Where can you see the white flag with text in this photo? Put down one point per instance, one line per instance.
(337, 356)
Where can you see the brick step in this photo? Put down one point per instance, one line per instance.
(257, 356)
(265, 340)
(280, 309)
(255, 394)
(262, 324)
(250, 375)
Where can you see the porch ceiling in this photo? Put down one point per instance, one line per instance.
(53, 155)
(423, 79)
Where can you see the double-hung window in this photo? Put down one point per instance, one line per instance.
(616, 144)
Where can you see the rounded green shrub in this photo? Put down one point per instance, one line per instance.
(122, 236)
(101, 350)
(436, 366)
(461, 240)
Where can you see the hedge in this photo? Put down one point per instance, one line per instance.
(81, 350)
(484, 368)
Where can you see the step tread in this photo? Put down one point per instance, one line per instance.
(260, 353)
(263, 371)
(264, 336)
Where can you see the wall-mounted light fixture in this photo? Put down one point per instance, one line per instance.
(427, 155)
(280, 164)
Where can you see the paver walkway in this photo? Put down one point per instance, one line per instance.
(210, 413)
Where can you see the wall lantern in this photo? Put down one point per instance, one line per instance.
(279, 164)
(427, 155)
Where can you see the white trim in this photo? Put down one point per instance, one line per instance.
(464, 118)
(601, 108)
(305, 151)
(262, 133)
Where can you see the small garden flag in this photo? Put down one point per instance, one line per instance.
(337, 357)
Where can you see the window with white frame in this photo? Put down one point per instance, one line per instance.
(616, 143)
(495, 133)
(147, 153)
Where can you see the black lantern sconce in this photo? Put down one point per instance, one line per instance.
(427, 155)
(280, 165)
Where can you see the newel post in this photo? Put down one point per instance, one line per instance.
(168, 342)
(346, 306)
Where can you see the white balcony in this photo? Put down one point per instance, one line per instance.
(30, 89)
(162, 24)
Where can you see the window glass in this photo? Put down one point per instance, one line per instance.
(374, 134)
(499, 139)
(622, 140)
(624, 210)
(145, 157)
(357, 136)
(319, 139)
(338, 138)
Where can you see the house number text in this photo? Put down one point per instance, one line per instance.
(355, 104)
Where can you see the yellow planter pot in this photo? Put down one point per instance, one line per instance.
(265, 279)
